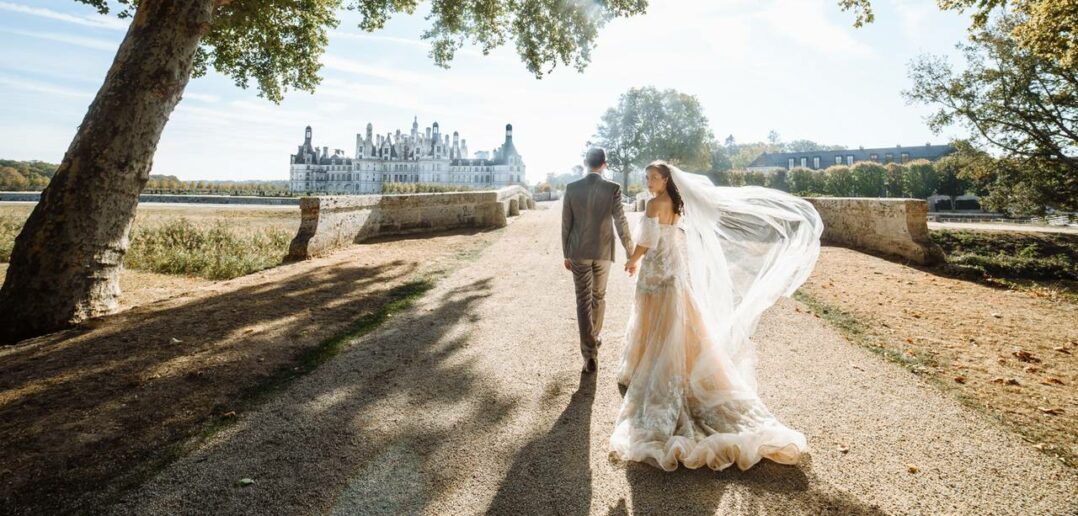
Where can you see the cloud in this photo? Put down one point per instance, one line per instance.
(96, 21)
(44, 87)
(201, 97)
(91, 43)
(806, 23)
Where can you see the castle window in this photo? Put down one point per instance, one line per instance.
(849, 159)
(888, 158)
(816, 162)
(789, 163)
(874, 157)
(804, 162)
(904, 157)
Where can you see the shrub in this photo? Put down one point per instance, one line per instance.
(803, 180)
(868, 179)
(838, 181)
(921, 179)
(894, 183)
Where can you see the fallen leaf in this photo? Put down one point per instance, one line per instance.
(1025, 356)
(245, 482)
(1039, 446)
(1032, 369)
(230, 413)
(911, 468)
(1051, 411)
(960, 379)
(1062, 349)
(843, 448)
(1051, 380)
(174, 340)
(855, 366)
(997, 316)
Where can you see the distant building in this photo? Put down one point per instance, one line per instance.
(823, 159)
(427, 157)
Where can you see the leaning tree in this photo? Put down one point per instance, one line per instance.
(66, 260)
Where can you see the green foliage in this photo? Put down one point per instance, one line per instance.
(920, 179)
(1011, 100)
(805, 180)
(778, 180)
(1012, 255)
(214, 252)
(649, 124)
(868, 178)
(894, 180)
(277, 43)
(839, 181)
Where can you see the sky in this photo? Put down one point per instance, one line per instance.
(797, 67)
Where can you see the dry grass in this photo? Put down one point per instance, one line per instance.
(212, 242)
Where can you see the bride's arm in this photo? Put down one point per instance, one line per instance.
(647, 238)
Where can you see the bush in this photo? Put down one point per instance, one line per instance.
(214, 252)
(921, 179)
(803, 180)
(838, 181)
(868, 179)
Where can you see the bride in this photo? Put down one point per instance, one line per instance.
(711, 259)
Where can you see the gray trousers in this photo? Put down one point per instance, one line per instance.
(590, 279)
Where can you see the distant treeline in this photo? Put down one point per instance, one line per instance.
(917, 179)
(33, 176)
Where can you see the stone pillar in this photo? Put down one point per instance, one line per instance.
(514, 207)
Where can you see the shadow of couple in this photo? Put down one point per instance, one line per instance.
(552, 475)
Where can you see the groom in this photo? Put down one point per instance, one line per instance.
(591, 207)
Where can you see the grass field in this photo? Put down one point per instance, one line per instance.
(213, 242)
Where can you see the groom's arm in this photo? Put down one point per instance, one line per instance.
(621, 224)
(566, 224)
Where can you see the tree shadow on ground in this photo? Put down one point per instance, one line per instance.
(766, 488)
(337, 441)
(90, 411)
(552, 473)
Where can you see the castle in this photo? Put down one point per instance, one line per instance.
(427, 157)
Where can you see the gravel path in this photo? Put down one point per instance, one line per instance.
(472, 402)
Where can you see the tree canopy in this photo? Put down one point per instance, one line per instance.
(1012, 101)
(649, 124)
(276, 44)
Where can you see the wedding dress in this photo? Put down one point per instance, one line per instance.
(689, 364)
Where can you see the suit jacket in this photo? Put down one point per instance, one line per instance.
(591, 210)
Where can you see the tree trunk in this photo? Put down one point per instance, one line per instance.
(67, 258)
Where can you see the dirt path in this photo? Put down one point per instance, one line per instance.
(471, 402)
(990, 226)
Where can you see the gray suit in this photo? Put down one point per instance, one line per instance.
(590, 210)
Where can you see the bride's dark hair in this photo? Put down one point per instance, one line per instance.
(663, 169)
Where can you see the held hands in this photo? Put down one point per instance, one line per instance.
(630, 267)
(568, 264)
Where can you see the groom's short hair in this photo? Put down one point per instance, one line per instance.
(595, 158)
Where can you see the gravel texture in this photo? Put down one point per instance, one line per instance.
(472, 402)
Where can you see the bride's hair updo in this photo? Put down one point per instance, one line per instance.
(663, 169)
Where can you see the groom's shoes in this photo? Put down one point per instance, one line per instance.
(590, 365)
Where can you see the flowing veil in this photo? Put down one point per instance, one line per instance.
(745, 247)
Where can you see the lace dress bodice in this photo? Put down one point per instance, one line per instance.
(664, 263)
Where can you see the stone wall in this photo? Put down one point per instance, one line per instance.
(896, 227)
(330, 222)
